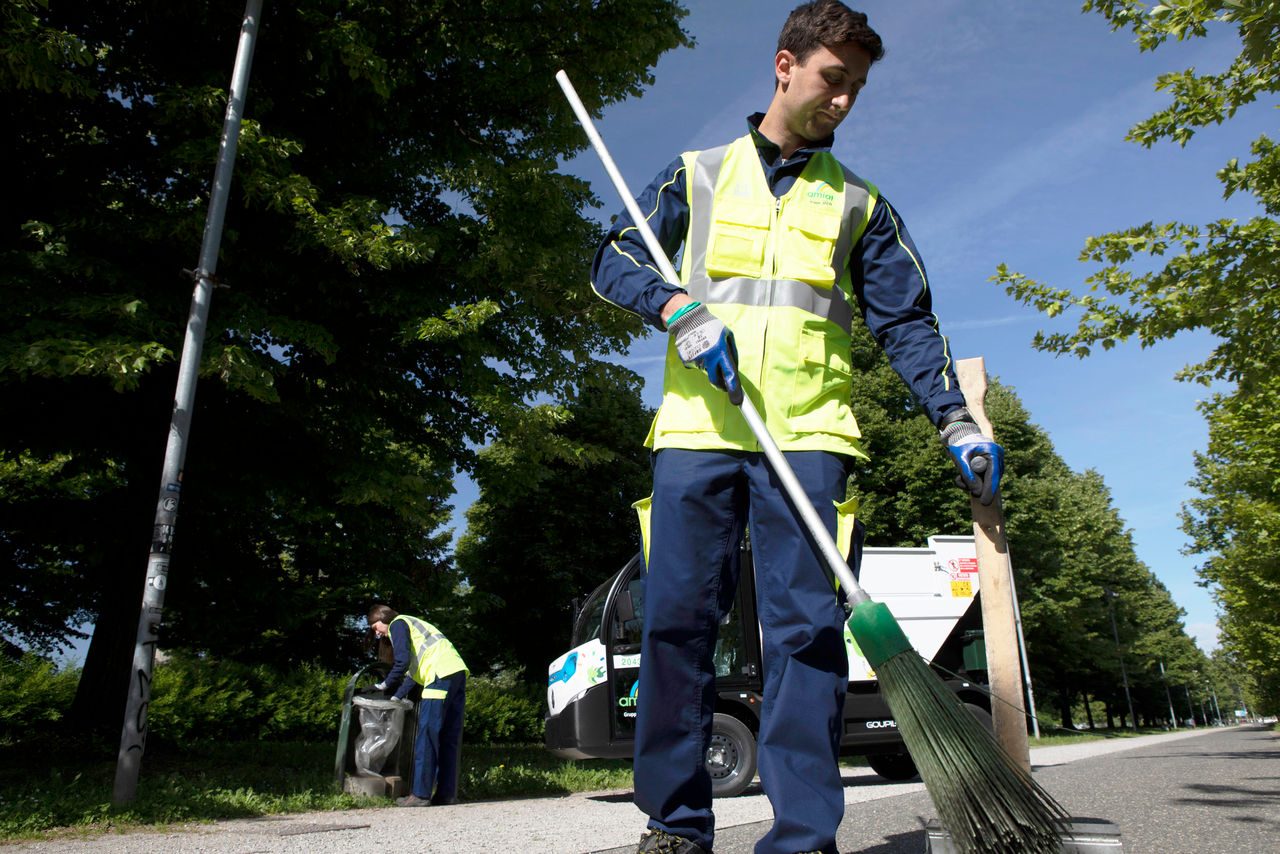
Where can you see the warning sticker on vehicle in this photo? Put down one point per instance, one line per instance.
(962, 589)
(962, 567)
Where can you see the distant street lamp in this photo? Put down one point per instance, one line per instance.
(1173, 716)
(1111, 596)
(1217, 713)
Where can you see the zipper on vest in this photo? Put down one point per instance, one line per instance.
(773, 245)
(772, 269)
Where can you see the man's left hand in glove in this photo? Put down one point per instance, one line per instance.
(979, 460)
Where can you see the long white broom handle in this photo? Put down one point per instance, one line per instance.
(853, 591)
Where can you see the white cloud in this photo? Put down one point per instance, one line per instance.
(991, 322)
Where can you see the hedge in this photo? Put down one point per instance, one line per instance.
(196, 699)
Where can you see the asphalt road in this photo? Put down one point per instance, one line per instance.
(1205, 790)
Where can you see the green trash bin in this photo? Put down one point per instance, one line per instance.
(375, 738)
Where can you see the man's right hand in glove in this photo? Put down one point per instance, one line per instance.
(702, 340)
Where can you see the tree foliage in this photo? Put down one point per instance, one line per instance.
(402, 278)
(553, 521)
(1221, 277)
(1068, 545)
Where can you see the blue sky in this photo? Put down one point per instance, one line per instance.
(997, 131)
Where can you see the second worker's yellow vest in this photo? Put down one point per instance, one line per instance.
(775, 271)
(431, 656)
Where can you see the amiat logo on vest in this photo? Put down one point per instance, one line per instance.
(823, 194)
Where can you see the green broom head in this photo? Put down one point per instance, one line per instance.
(987, 802)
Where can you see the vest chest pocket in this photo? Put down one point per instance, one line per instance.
(739, 237)
(808, 245)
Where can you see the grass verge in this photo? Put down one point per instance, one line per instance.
(59, 788)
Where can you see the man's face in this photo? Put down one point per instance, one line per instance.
(819, 93)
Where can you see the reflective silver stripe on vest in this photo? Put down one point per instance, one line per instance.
(429, 639)
(827, 303)
(831, 304)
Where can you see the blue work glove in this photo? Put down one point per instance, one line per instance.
(702, 340)
(978, 458)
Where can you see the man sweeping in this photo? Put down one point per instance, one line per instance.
(780, 243)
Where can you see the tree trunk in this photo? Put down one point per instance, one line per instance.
(99, 703)
(98, 707)
(1088, 709)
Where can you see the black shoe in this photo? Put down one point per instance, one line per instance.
(655, 841)
(443, 802)
(412, 801)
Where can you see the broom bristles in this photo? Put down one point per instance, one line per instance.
(984, 800)
(987, 802)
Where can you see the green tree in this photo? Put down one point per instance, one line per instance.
(553, 521)
(1068, 542)
(1235, 523)
(1220, 277)
(402, 267)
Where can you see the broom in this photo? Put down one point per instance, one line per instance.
(985, 801)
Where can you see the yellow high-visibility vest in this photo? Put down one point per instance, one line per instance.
(775, 271)
(431, 655)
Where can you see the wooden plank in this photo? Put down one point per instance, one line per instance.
(995, 577)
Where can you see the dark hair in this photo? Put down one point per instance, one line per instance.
(381, 614)
(827, 23)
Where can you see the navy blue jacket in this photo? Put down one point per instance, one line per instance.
(888, 275)
(398, 679)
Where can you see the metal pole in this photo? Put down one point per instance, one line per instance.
(1191, 710)
(1124, 676)
(1216, 711)
(1022, 651)
(133, 734)
(1173, 716)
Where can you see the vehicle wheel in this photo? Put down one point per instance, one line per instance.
(893, 766)
(731, 756)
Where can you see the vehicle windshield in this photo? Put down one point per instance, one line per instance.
(591, 615)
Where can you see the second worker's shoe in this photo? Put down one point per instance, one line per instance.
(655, 841)
(412, 801)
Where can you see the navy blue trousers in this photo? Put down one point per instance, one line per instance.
(437, 749)
(701, 502)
